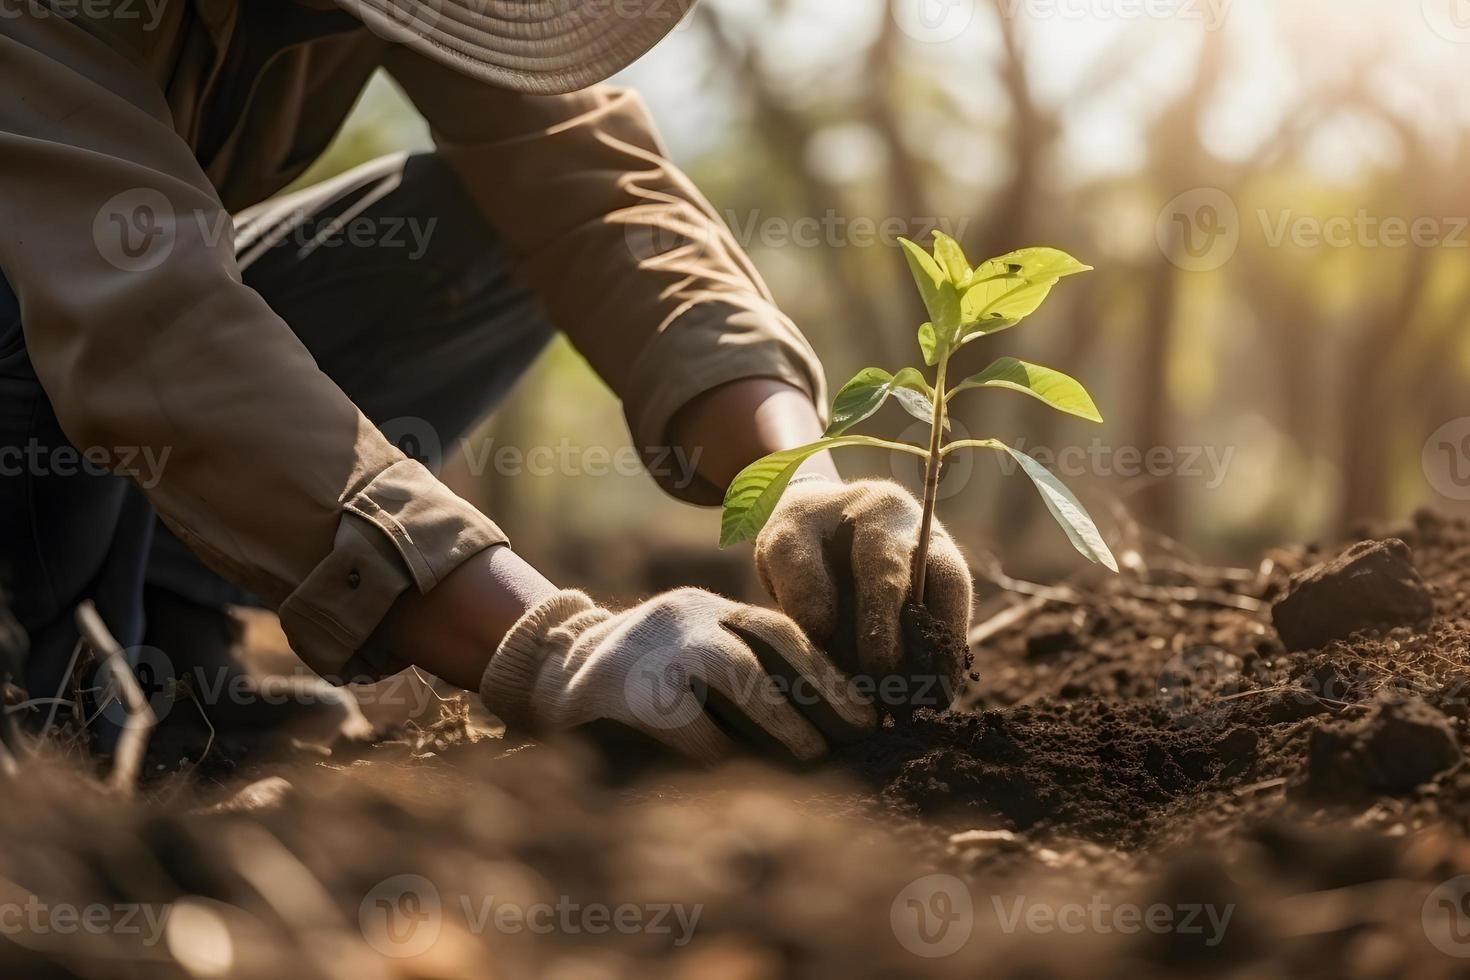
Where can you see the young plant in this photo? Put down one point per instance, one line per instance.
(964, 304)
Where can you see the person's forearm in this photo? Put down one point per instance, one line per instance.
(736, 424)
(453, 630)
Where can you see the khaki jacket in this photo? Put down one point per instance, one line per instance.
(162, 117)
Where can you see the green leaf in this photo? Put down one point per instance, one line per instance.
(915, 396)
(999, 305)
(918, 404)
(929, 344)
(858, 399)
(951, 258)
(1040, 263)
(1068, 511)
(754, 492)
(940, 296)
(1058, 390)
(1005, 290)
(870, 388)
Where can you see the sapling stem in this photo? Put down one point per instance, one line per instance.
(931, 483)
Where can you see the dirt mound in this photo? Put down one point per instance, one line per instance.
(1151, 711)
(1105, 772)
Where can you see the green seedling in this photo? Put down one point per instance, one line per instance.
(964, 304)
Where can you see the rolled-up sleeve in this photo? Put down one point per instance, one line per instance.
(629, 259)
(144, 338)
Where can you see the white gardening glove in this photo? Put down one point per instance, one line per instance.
(701, 674)
(837, 558)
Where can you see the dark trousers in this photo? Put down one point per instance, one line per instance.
(400, 292)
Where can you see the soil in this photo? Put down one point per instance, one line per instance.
(1142, 742)
(937, 660)
(1138, 719)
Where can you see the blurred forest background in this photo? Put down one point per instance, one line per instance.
(1274, 195)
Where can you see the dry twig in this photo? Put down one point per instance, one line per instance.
(133, 741)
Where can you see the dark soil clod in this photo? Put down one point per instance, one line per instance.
(1397, 748)
(1373, 585)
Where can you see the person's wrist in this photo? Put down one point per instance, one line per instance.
(508, 685)
(453, 629)
(780, 416)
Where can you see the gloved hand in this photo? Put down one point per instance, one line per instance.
(701, 674)
(834, 551)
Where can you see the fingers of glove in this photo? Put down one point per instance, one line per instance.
(841, 645)
(793, 568)
(812, 685)
(881, 570)
(736, 721)
(750, 706)
(698, 738)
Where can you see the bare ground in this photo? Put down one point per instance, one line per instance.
(1142, 782)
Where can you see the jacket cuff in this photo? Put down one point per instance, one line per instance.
(404, 529)
(711, 344)
(509, 683)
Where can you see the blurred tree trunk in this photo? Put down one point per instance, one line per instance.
(785, 135)
(1179, 164)
(1032, 133)
(1373, 394)
(1370, 405)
